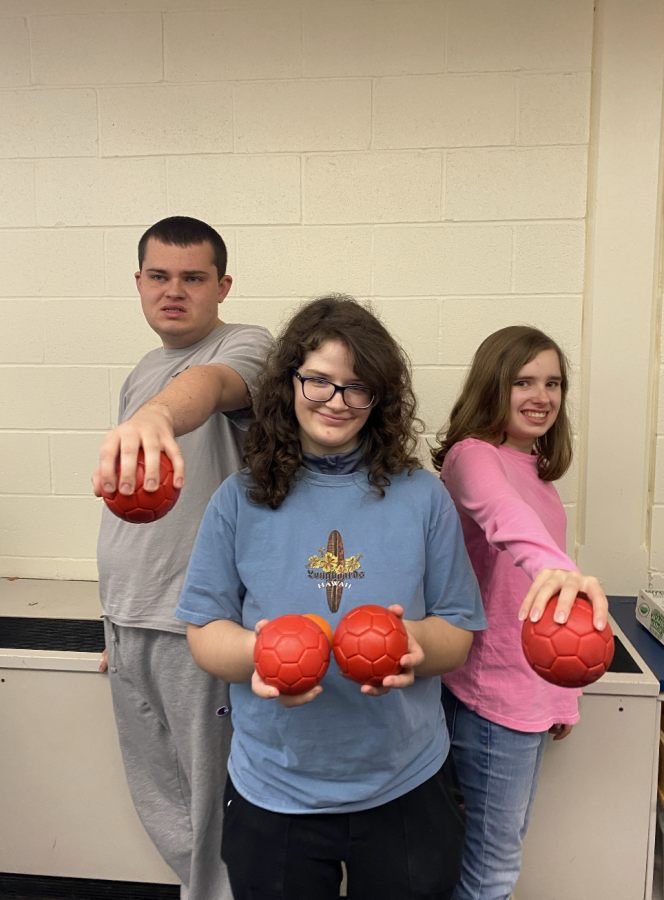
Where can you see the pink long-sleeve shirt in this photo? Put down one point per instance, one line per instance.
(514, 525)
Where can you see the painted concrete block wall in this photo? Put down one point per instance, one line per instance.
(429, 155)
(657, 529)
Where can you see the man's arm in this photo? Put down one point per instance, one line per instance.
(188, 402)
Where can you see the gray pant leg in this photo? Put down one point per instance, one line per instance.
(174, 748)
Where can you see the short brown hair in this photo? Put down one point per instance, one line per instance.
(183, 231)
(272, 450)
(482, 410)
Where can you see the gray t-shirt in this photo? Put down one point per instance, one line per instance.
(142, 567)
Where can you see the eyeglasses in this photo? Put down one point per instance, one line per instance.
(320, 390)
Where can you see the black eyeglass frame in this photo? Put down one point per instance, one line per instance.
(337, 387)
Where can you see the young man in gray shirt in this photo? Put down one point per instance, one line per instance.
(190, 398)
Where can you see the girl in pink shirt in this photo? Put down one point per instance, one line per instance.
(507, 441)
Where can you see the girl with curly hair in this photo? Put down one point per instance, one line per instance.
(333, 512)
(507, 441)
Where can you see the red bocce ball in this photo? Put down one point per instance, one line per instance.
(292, 654)
(570, 655)
(144, 506)
(369, 643)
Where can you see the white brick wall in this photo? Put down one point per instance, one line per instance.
(657, 528)
(55, 263)
(384, 187)
(351, 38)
(533, 183)
(166, 119)
(554, 109)
(22, 332)
(14, 53)
(112, 48)
(48, 123)
(238, 189)
(17, 194)
(444, 111)
(295, 116)
(513, 35)
(302, 262)
(450, 259)
(233, 44)
(429, 155)
(100, 191)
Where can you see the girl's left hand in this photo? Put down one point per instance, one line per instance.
(560, 731)
(414, 657)
(549, 582)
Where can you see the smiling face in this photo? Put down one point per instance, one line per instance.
(534, 402)
(329, 427)
(180, 292)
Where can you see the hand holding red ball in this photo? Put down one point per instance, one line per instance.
(144, 506)
(292, 654)
(571, 655)
(369, 643)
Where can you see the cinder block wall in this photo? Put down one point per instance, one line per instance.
(430, 155)
(657, 531)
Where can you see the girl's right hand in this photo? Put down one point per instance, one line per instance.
(267, 692)
(549, 582)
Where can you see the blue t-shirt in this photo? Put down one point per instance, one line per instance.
(333, 541)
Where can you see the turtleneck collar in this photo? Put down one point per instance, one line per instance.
(334, 463)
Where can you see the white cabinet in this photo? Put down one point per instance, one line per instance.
(592, 831)
(66, 809)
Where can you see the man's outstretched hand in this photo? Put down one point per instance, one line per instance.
(150, 429)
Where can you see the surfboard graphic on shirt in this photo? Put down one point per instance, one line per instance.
(335, 546)
(335, 570)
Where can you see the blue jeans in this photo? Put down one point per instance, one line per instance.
(498, 771)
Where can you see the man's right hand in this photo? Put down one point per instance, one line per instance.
(150, 429)
(184, 405)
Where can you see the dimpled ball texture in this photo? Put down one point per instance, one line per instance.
(144, 506)
(292, 654)
(369, 643)
(322, 624)
(570, 655)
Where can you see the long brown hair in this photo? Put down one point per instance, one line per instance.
(482, 410)
(272, 450)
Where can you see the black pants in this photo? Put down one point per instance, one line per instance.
(407, 849)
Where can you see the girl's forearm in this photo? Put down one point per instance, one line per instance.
(445, 646)
(223, 648)
(226, 649)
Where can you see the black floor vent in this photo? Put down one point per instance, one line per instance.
(43, 887)
(23, 633)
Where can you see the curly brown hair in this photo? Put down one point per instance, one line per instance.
(482, 410)
(272, 450)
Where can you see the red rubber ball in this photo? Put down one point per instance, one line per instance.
(369, 643)
(570, 655)
(292, 654)
(144, 506)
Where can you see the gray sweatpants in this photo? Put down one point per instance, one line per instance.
(174, 747)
